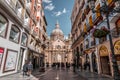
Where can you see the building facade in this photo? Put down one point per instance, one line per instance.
(58, 49)
(87, 48)
(22, 34)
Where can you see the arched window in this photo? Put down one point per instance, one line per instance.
(24, 39)
(3, 25)
(14, 34)
(58, 47)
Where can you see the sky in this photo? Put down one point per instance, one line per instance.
(58, 10)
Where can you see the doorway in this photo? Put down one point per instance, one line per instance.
(94, 62)
(105, 65)
(22, 50)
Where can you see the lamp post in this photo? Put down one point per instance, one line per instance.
(105, 9)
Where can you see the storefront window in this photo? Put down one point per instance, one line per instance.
(24, 39)
(3, 25)
(1, 55)
(14, 34)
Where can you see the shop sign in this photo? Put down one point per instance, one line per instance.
(1, 55)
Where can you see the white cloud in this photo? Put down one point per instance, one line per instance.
(47, 1)
(65, 37)
(50, 7)
(64, 10)
(58, 13)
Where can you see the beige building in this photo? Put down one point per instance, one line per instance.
(22, 34)
(58, 48)
(88, 48)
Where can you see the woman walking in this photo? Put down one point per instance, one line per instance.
(25, 68)
(30, 68)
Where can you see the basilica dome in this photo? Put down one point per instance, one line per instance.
(57, 32)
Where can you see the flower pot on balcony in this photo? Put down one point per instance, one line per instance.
(99, 33)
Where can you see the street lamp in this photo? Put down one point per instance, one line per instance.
(105, 9)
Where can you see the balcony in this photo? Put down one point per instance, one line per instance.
(11, 3)
(96, 18)
(88, 27)
(28, 7)
(33, 33)
(83, 16)
(87, 9)
(31, 47)
(26, 26)
(115, 32)
(110, 3)
(10, 7)
(87, 46)
(92, 43)
(38, 18)
(19, 13)
(22, 2)
(34, 18)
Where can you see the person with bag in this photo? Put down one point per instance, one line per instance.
(30, 68)
(25, 68)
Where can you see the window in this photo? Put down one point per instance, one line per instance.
(12, 3)
(26, 19)
(14, 34)
(3, 25)
(58, 47)
(118, 27)
(28, 3)
(19, 9)
(24, 39)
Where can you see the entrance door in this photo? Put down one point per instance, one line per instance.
(94, 63)
(105, 65)
(20, 58)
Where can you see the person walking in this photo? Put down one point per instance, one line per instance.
(30, 68)
(25, 68)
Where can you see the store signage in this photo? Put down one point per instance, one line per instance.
(1, 50)
(1, 55)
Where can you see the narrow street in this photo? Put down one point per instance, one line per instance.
(59, 39)
(59, 74)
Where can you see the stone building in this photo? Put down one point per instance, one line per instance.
(88, 48)
(22, 34)
(58, 48)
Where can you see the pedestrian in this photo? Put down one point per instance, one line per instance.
(30, 68)
(25, 68)
(85, 66)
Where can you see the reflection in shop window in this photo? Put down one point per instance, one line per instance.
(24, 39)
(3, 25)
(14, 34)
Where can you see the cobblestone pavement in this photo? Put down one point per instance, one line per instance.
(93, 76)
(59, 74)
(18, 76)
(63, 74)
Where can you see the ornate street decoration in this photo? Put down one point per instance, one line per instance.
(99, 33)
